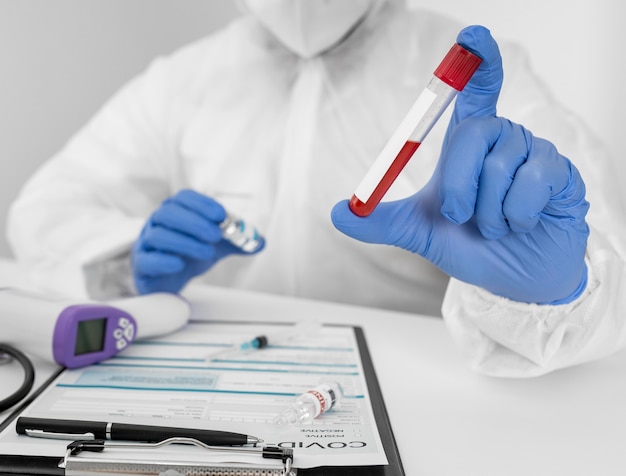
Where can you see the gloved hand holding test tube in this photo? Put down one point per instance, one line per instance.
(261, 341)
(504, 210)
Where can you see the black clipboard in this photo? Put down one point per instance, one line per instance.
(47, 465)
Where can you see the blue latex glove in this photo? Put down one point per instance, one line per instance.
(503, 210)
(180, 240)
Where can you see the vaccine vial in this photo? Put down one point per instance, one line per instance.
(240, 234)
(310, 405)
(448, 80)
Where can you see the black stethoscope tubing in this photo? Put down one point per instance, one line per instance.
(29, 377)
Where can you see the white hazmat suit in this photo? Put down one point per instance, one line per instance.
(278, 139)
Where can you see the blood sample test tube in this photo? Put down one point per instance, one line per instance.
(448, 80)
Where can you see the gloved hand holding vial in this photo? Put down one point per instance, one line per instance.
(183, 238)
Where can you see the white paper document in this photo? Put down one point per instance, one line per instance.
(171, 381)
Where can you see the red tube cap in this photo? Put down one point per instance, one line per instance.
(457, 67)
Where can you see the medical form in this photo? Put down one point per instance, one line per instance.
(169, 382)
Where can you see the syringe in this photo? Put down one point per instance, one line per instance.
(310, 405)
(449, 79)
(261, 341)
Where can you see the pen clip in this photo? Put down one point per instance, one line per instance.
(59, 436)
(79, 446)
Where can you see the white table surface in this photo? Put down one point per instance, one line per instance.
(446, 419)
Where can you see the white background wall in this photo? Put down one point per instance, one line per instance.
(59, 60)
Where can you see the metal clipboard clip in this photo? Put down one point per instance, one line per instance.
(74, 465)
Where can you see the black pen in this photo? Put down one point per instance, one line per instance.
(77, 429)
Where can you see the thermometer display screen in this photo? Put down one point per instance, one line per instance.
(90, 336)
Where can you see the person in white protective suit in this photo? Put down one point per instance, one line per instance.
(276, 118)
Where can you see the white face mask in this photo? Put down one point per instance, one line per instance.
(309, 27)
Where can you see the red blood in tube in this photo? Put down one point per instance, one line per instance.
(364, 209)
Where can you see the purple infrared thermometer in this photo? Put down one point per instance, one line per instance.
(78, 334)
(88, 333)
